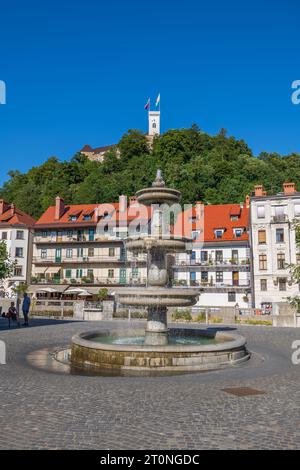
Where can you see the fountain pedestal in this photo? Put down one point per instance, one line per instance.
(156, 333)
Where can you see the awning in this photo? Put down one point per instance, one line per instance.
(46, 289)
(77, 290)
(40, 270)
(53, 270)
(33, 288)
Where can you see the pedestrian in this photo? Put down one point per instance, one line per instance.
(25, 308)
(13, 314)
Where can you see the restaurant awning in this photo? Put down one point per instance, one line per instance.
(33, 288)
(53, 270)
(40, 270)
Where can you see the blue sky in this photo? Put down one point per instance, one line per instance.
(81, 72)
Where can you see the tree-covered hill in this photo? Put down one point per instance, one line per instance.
(214, 169)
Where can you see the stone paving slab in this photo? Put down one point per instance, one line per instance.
(43, 410)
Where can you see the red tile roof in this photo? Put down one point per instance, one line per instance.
(88, 148)
(215, 217)
(13, 216)
(83, 210)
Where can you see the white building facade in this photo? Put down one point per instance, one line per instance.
(16, 232)
(273, 246)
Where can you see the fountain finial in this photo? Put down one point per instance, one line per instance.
(158, 182)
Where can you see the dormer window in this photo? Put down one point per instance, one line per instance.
(238, 232)
(73, 217)
(219, 232)
(234, 218)
(86, 217)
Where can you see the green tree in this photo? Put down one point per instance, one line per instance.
(6, 265)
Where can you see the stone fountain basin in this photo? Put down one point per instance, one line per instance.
(169, 244)
(228, 349)
(150, 296)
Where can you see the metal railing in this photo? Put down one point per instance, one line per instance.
(212, 262)
(88, 259)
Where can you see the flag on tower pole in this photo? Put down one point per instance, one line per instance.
(157, 102)
(147, 105)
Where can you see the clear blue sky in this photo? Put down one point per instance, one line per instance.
(80, 72)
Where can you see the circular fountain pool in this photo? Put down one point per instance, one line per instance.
(187, 350)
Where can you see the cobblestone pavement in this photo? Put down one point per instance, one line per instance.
(40, 409)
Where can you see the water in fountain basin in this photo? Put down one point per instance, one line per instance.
(139, 340)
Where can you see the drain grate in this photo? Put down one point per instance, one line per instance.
(243, 391)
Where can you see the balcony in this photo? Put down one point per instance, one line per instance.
(48, 260)
(98, 281)
(75, 239)
(211, 264)
(209, 286)
(279, 219)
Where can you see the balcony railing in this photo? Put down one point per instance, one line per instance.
(76, 239)
(212, 262)
(213, 285)
(101, 281)
(279, 219)
(88, 259)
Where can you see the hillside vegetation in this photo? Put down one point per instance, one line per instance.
(214, 169)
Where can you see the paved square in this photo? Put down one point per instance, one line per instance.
(43, 410)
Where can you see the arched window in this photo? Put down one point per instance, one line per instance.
(154, 125)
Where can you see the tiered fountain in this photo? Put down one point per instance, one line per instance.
(157, 347)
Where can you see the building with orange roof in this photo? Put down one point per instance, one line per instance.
(219, 260)
(83, 244)
(16, 229)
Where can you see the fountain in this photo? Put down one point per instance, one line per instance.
(157, 347)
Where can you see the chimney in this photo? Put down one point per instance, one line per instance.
(96, 214)
(289, 188)
(122, 203)
(59, 207)
(247, 201)
(3, 206)
(12, 209)
(259, 191)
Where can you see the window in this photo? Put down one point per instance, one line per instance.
(69, 253)
(195, 234)
(260, 212)
(86, 217)
(263, 262)
(68, 273)
(231, 297)
(69, 233)
(219, 256)
(19, 252)
(43, 253)
(4, 235)
(44, 234)
(111, 252)
(20, 235)
(73, 217)
(110, 273)
(262, 237)
(18, 271)
(280, 261)
(219, 276)
(282, 283)
(135, 273)
(204, 276)
(79, 252)
(204, 256)
(263, 284)
(91, 234)
(154, 125)
(91, 252)
(297, 210)
(234, 256)
(279, 211)
(219, 233)
(279, 235)
(238, 232)
(78, 273)
(90, 273)
(234, 218)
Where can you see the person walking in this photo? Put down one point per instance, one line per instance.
(25, 308)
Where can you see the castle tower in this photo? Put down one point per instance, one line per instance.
(153, 123)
